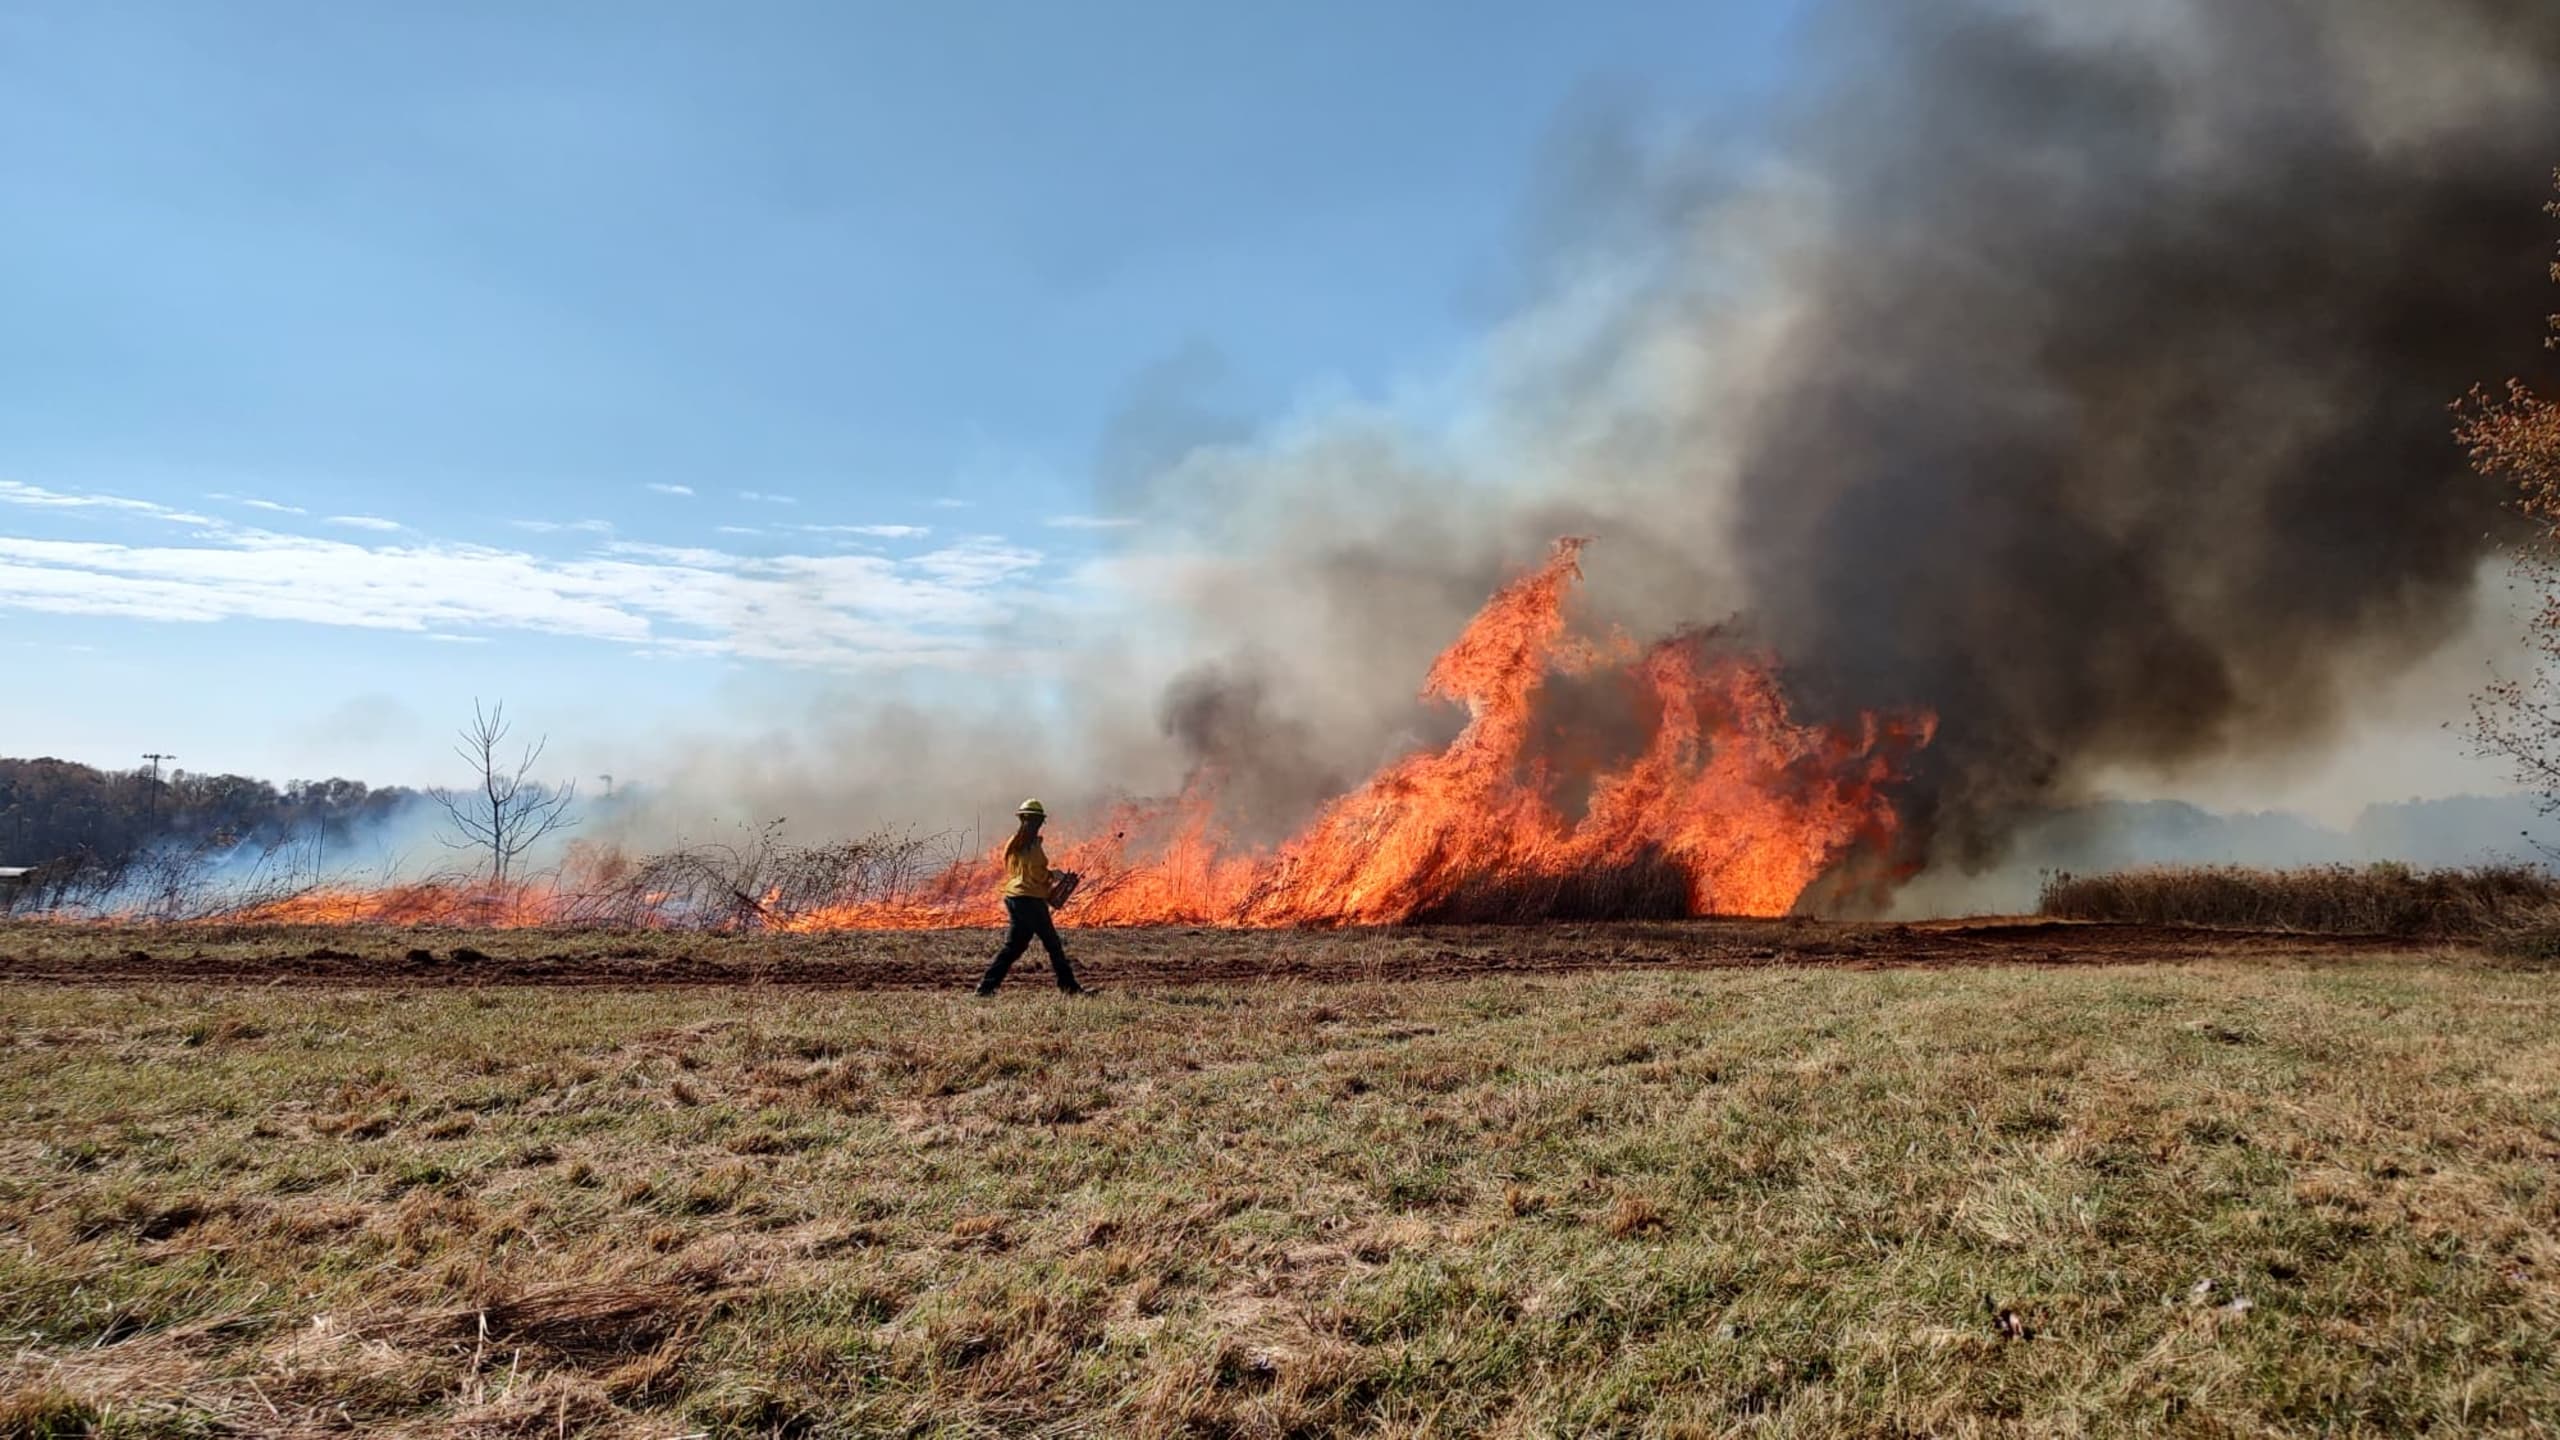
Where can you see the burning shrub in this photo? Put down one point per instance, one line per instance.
(765, 883)
(1726, 804)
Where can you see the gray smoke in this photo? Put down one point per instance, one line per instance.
(2081, 379)
(2077, 371)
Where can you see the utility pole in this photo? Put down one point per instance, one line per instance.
(151, 797)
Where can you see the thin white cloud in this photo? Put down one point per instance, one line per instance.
(763, 498)
(670, 554)
(738, 529)
(254, 503)
(1087, 522)
(364, 522)
(810, 609)
(948, 502)
(37, 497)
(665, 489)
(882, 532)
(552, 527)
(980, 559)
(837, 609)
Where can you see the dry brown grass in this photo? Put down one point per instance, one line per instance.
(1634, 1215)
(588, 1318)
(2331, 899)
(2217, 1198)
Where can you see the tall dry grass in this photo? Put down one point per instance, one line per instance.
(2387, 899)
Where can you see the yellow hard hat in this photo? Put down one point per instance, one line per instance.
(1031, 807)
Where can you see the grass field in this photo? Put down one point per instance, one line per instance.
(2209, 1198)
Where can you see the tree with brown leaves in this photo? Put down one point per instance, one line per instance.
(2515, 437)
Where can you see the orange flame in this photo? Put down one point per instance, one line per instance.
(1731, 807)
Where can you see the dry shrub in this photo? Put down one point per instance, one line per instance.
(2529, 937)
(761, 882)
(2388, 899)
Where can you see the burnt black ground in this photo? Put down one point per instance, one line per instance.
(1139, 958)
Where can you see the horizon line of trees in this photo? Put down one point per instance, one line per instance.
(52, 808)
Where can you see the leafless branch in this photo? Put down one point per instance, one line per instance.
(506, 812)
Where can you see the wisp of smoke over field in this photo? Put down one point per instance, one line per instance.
(2077, 373)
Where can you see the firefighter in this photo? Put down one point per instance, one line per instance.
(1028, 886)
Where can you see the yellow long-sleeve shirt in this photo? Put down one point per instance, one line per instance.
(1026, 873)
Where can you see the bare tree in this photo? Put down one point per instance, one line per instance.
(505, 812)
(2516, 437)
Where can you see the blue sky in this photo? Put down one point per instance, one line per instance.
(641, 361)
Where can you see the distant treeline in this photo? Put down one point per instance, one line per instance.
(50, 809)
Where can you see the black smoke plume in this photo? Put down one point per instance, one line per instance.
(2080, 373)
(2114, 427)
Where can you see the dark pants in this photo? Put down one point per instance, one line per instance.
(1030, 919)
